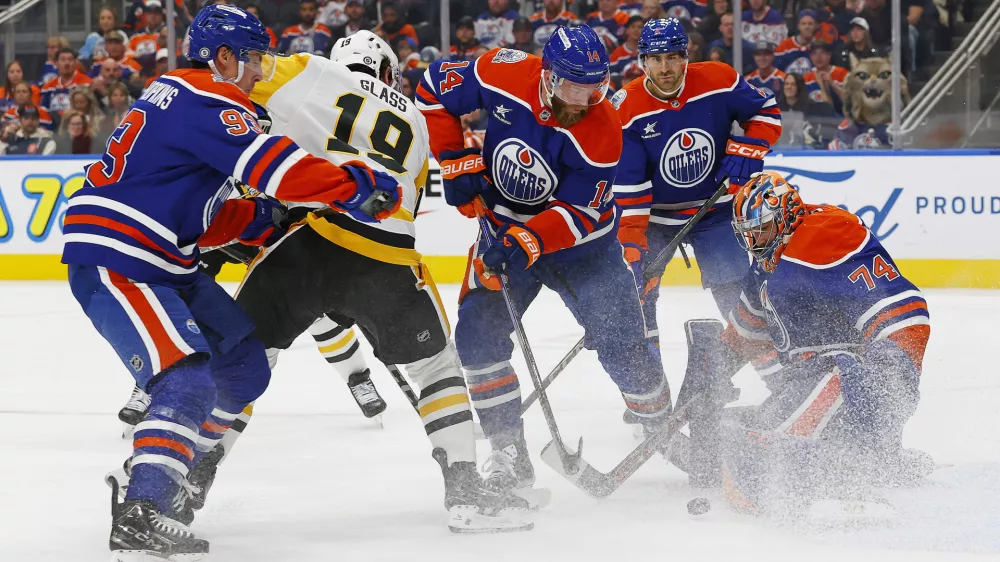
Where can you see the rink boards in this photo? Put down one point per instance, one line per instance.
(936, 211)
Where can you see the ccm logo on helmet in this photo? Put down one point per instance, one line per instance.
(749, 151)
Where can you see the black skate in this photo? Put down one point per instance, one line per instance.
(509, 470)
(202, 476)
(119, 480)
(140, 534)
(366, 395)
(134, 411)
(475, 508)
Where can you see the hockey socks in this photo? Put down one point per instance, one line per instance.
(338, 346)
(496, 394)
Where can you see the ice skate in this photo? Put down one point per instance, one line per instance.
(133, 411)
(475, 508)
(118, 480)
(202, 476)
(509, 470)
(140, 534)
(366, 395)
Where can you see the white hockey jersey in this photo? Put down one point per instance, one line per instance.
(341, 115)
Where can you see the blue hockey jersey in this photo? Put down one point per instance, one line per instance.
(835, 289)
(168, 168)
(671, 150)
(556, 181)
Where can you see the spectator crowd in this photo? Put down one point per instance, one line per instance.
(799, 50)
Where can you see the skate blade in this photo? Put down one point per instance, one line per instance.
(537, 498)
(837, 512)
(466, 519)
(150, 556)
(378, 419)
(127, 430)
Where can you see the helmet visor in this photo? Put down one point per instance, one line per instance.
(574, 93)
(261, 62)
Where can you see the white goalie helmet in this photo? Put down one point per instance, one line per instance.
(368, 49)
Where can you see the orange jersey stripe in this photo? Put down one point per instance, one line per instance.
(165, 347)
(128, 230)
(490, 385)
(267, 159)
(807, 423)
(890, 314)
(214, 427)
(166, 444)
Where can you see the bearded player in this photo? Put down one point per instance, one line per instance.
(677, 146)
(545, 173)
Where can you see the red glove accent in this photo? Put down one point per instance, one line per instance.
(468, 210)
(489, 279)
(633, 235)
(231, 220)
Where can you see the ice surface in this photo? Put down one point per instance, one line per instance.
(311, 479)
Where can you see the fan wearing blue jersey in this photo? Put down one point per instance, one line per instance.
(132, 235)
(677, 146)
(545, 173)
(848, 333)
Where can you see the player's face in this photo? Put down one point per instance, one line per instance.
(665, 70)
(764, 59)
(307, 13)
(807, 27)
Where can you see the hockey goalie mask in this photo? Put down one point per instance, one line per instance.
(765, 213)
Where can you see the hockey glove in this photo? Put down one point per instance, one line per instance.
(257, 221)
(744, 158)
(268, 223)
(463, 176)
(376, 195)
(516, 247)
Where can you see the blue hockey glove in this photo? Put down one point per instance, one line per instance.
(744, 158)
(463, 176)
(376, 197)
(268, 223)
(516, 247)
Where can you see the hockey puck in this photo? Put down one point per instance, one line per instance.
(699, 506)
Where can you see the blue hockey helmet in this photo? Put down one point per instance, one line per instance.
(225, 25)
(575, 66)
(662, 36)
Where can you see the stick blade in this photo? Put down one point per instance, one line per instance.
(586, 477)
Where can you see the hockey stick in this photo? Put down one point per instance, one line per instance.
(600, 485)
(668, 250)
(569, 462)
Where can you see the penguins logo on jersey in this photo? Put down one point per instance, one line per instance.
(687, 158)
(782, 341)
(521, 173)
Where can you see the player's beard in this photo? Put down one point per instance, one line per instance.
(564, 116)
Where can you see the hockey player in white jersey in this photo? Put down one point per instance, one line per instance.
(354, 270)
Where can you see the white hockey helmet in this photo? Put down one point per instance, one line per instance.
(368, 49)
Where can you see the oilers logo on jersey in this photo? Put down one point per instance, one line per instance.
(521, 173)
(688, 157)
(302, 44)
